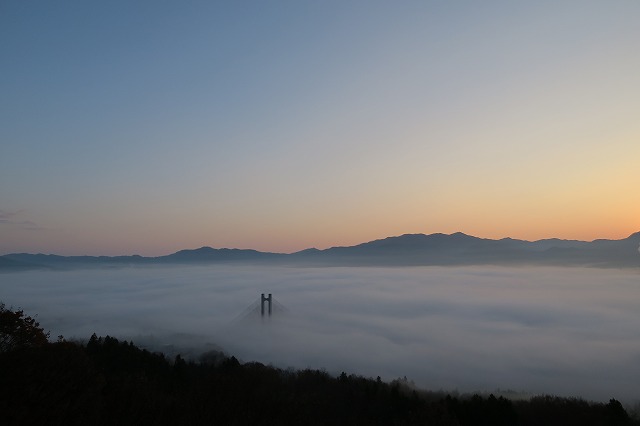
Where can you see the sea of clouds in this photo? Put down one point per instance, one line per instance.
(564, 331)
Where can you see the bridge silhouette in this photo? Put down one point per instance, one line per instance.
(264, 307)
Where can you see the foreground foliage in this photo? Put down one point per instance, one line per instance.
(18, 330)
(111, 382)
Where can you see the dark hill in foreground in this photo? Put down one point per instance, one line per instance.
(111, 382)
(404, 250)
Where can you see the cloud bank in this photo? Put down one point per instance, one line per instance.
(566, 331)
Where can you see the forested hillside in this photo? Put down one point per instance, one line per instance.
(106, 381)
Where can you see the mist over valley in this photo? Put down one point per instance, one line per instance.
(563, 330)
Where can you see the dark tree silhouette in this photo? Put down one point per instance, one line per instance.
(18, 330)
(107, 381)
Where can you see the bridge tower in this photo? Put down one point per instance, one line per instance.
(265, 299)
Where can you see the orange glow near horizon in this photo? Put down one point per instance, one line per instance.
(339, 132)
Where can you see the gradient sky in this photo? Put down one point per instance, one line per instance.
(152, 126)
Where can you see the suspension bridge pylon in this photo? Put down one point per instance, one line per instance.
(264, 299)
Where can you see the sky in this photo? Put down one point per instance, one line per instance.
(564, 331)
(152, 126)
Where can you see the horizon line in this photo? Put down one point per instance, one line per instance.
(315, 248)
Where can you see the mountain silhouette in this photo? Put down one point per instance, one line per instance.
(404, 250)
(208, 254)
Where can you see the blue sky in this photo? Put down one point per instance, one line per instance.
(155, 126)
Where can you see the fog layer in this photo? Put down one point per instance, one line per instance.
(566, 331)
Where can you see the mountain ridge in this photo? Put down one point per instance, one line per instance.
(403, 250)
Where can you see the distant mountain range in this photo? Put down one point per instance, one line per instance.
(404, 250)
